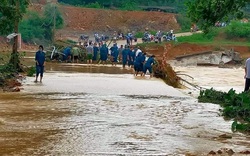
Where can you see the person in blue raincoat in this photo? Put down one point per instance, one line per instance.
(103, 54)
(131, 57)
(40, 63)
(114, 54)
(142, 60)
(148, 65)
(125, 56)
(67, 54)
(137, 64)
(128, 39)
(95, 54)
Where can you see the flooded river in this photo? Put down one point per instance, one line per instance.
(105, 110)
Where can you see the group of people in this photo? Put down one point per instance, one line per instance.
(91, 52)
(130, 56)
(129, 37)
(157, 38)
(135, 58)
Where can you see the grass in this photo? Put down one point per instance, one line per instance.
(217, 36)
(211, 39)
(202, 39)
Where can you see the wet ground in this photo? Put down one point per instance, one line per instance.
(99, 110)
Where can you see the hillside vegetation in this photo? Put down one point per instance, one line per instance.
(170, 5)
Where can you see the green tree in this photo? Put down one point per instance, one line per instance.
(129, 5)
(52, 20)
(11, 13)
(94, 5)
(40, 27)
(207, 12)
(31, 27)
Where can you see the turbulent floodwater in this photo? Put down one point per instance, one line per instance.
(109, 114)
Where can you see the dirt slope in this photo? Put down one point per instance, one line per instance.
(100, 20)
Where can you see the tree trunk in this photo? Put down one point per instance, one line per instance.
(14, 60)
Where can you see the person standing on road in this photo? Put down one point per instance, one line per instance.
(131, 57)
(96, 50)
(75, 54)
(125, 53)
(90, 51)
(247, 75)
(159, 36)
(103, 54)
(137, 64)
(114, 54)
(40, 62)
(120, 53)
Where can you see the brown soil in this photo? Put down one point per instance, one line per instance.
(172, 51)
(87, 20)
(187, 48)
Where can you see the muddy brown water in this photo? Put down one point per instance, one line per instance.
(104, 110)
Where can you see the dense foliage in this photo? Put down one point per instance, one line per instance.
(126, 4)
(184, 22)
(207, 13)
(6, 69)
(238, 29)
(120, 2)
(235, 106)
(36, 27)
(31, 71)
(6, 72)
(234, 31)
(11, 12)
(30, 27)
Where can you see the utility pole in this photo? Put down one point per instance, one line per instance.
(54, 24)
(14, 56)
(15, 45)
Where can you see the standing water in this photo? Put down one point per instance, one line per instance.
(95, 111)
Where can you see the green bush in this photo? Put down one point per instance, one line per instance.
(31, 71)
(6, 69)
(31, 27)
(236, 106)
(50, 11)
(238, 29)
(36, 27)
(94, 5)
(184, 22)
(6, 72)
(129, 5)
(139, 34)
